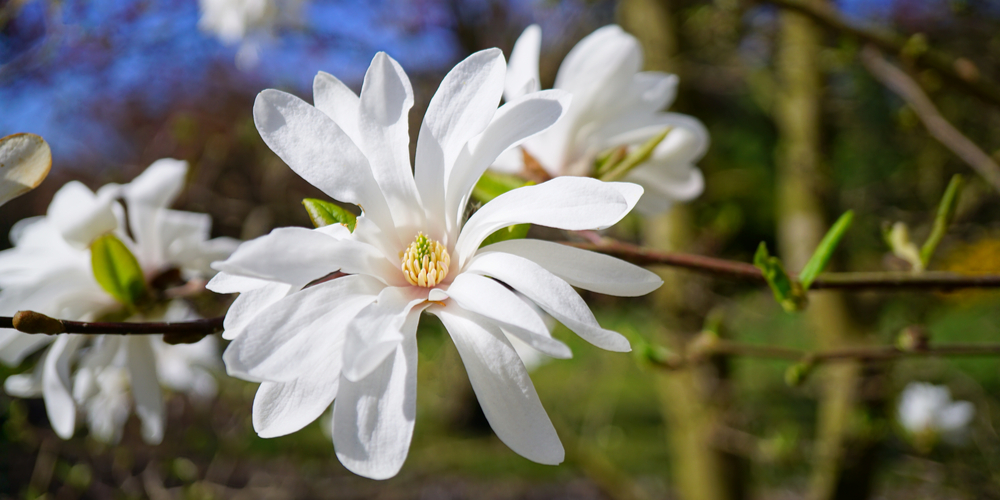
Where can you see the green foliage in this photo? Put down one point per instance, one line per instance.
(517, 231)
(117, 270)
(493, 184)
(788, 293)
(323, 213)
(821, 256)
(945, 214)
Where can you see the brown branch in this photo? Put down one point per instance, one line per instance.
(899, 82)
(182, 332)
(961, 71)
(941, 281)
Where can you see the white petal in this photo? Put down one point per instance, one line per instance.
(25, 160)
(582, 268)
(80, 215)
(281, 408)
(522, 70)
(601, 56)
(462, 107)
(502, 385)
(552, 294)
(665, 185)
(231, 283)
(319, 151)
(686, 142)
(146, 391)
(654, 90)
(572, 203)
(27, 385)
(492, 300)
(300, 330)
(56, 384)
(339, 102)
(373, 417)
(379, 328)
(249, 304)
(956, 416)
(513, 123)
(383, 124)
(15, 346)
(157, 186)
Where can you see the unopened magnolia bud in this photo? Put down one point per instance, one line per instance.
(33, 322)
(913, 338)
(796, 374)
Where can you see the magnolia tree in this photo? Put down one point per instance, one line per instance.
(328, 316)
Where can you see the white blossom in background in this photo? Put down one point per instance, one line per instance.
(926, 411)
(248, 23)
(351, 341)
(25, 160)
(49, 271)
(614, 104)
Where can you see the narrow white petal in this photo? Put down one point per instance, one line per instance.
(582, 268)
(319, 151)
(80, 215)
(551, 293)
(492, 300)
(686, 142)
(373, 417)
(249, 304)
(25, 160)
(56, 384)
(300, 330)
(158, 185)
(606, 54)
(141, 362)
(15, 346)
(378, 329)
(572, 203)
(522, 70)
(502, 385)
(513, 123)
(462, 107)
(27, 385)
(339, 102)
(231, 283)
(666, 185)
(383, 124)
(281, 408)
(956, 416)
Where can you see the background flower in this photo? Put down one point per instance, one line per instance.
(927, 412)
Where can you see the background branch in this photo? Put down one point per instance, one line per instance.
(181, 332)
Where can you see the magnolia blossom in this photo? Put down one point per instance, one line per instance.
(928, 410)
(351, 341)
(25, 160)
(244, 22)
(49, 271)
(614, 105)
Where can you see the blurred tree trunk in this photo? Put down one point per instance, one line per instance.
(693, 401)
(842, 460)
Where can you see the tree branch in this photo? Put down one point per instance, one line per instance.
(181, 332)
(747, 272)
(958, 70)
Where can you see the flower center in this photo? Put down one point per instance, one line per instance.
(425, 262)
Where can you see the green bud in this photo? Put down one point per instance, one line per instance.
(117, 270)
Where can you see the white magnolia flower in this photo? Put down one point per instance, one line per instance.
(49, 271)
(351, 341)
(928, 410)
(25, 160)
(614, 104)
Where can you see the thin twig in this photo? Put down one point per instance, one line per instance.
(899, 82)
(940, 281)
(958, 70)
(180, 332)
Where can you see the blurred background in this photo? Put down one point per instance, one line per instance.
(800, 131)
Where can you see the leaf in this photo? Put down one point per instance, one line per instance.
(116, 270)
(945, 214)
(493, 184)
(789, 294)
(515, 232)
(821, 256)
(634, 159)
(323, 213)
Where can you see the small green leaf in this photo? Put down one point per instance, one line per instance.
(493, 184)
(788, 293)
(609, 159)
(635, 158)
(945, 214)
(116, 270)
(515, 232)
(821, 257)
(323, 213)
(796, 374)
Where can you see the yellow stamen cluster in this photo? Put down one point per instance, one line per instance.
(425, 262)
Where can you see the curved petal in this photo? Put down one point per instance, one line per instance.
(493, 301)
(339, 102)
(502, 385)
(572, 203)
(522, 70)
(462, 107)
(249, 304)
(80, 215)
(686, 142)
(281, 408)
(224, 283)
(552, 294)
(379, 328)
(158, 185)
(582, 268)
(320, 152)
(514, 122)
(15, 346)
(383, 124)
(56, 384)
(606, 53)
(141, 362)
(654, 90)
(665, 185)
(373, 417)
(25, 160)
(301, 330)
